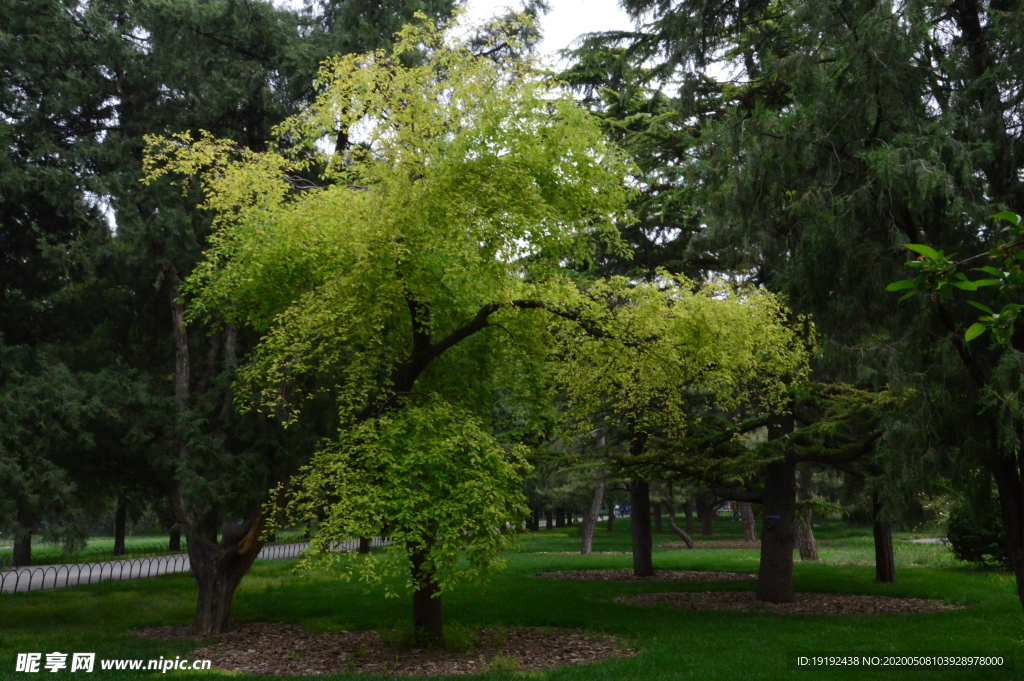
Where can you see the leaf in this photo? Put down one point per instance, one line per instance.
(900, 285)
(981, 307)
(974, 331)
(988, 269)
(986, 282)
(965, 285)
(926, 251)
(909, 295)
(1007, 216)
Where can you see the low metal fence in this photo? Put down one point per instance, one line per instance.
(58, 576)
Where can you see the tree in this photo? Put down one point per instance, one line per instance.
(657, 355)
(427, 259)
(432, 479)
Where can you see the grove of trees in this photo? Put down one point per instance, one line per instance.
(348, 268)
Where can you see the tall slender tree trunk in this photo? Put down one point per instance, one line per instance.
(640, 525)
(174, 541)
(426, 603)
(120, 520)
(364, 545)
(747, 518)
(679, 533)
(560, 517)
(611, 516)
(688, 510)
(22, 550)
(778, 534)
(1011, 501)
(549, 519)
(885, 561)
(805, 519)
(706, 514)
(590, 520)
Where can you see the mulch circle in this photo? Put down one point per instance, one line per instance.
(805, 603)
(659, 576)
(264, 648)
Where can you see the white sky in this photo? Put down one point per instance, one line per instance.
(567, 20)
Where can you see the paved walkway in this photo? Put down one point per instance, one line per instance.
(38, 577)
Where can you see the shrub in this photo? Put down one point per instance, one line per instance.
(976, 535)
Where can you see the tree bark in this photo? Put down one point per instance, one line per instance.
(778, 536)
(885, 562)
(364, 545)
(706, 514)
(747, 517)
(174, 542)
(679, 533)
(426, 603)
(22, 551)
(218, 570)
(549, 519)
(120, 519)
(611, 516)
(688, 509)
(640, 525)
(590, 520)
(805, 520)
(560, 516)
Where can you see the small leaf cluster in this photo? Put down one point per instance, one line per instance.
(937, 273)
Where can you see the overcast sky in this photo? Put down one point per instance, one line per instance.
(567, 20)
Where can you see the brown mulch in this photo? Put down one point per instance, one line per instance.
(805, 604)
(720, 544)
(659, 576)
(263, 648)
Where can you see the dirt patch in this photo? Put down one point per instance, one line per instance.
(720, 544)
(261, 648)
(805, 604)
(659, 576)
(577, 553)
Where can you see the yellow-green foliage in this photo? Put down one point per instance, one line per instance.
(473, 183)
(432, 474)
(662, 342)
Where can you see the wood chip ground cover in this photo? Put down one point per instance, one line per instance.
(804, 604)
(627, 575)
(263, 648)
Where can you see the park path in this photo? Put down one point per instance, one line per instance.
(39, 577)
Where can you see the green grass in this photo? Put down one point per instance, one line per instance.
(676, 645)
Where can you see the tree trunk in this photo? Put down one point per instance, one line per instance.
(640, 524)
(174, 543)
(22, 552)
(218, 570)
(778, 535)
(688, 509)
(885, 562)
(1011, 501)
(590, 521)
(705, 513)
(747, 517)
(426, 603)
(364, 545)
(658, 527)
(679, 533)
(560, 517)
(805, 520)
(570, 517)
(549, 519)
(120, 519)
(611, 516)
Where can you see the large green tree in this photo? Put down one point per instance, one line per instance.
(426, 260)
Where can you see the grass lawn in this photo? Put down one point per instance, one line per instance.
(675, 645)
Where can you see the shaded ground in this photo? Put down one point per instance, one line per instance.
(262, 648)
(659, 576)
(805, 604)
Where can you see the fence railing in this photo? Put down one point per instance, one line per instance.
(58, 576)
